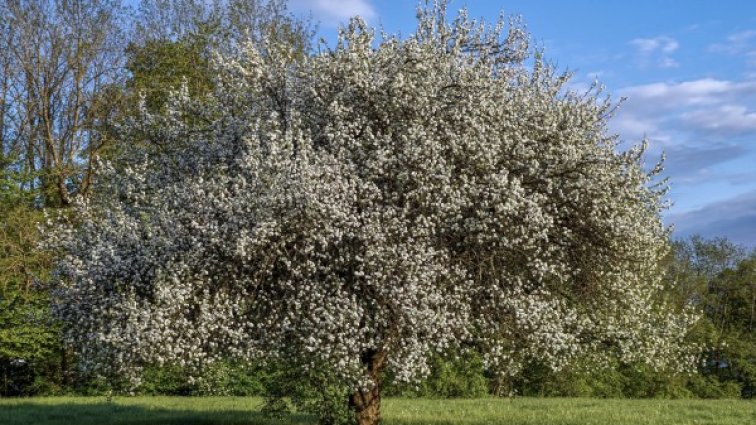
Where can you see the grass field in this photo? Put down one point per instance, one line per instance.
(245, 411)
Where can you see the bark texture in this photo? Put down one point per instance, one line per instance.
(367, 403)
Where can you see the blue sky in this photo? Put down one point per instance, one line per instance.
(687, 68)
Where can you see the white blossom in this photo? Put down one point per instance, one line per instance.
(367, 206)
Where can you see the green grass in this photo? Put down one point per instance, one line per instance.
(245, 411)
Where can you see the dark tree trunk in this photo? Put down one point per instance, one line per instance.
(367, 404)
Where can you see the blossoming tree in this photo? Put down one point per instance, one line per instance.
(366, 207)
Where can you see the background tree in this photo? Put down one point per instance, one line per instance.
(62, 54)
(362, 209)
(160, 66)
(30, 348)
(696, 261)
(731, 308)
(175, 39)
(718, 276)
(63, 92)
(234, 22)
(6, 71)
(57, 61)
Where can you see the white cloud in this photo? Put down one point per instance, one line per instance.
(706, 91)
(736, 43)
(632, 127)
(656, 51)
(692, 164)
(663, 44)
(334, 12)
(724, 119)
(717, 108)
(703, 116)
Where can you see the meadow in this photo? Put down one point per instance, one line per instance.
(397, 411)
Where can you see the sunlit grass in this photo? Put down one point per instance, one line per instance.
(246, 411)
(531, 411)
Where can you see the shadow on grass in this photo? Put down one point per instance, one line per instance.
(28, 413)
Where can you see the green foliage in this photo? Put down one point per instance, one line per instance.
(582, 379)
(732, 312)
(245, 380)
(461, 376)
(579, 380)
(165, 380)
(317, 392)
(709, 387)
(641, 381)
(30, 352)
(720, 277)
(12, 182)
(161, 66)
(222, 378)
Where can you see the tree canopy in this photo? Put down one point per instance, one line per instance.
(361, 209)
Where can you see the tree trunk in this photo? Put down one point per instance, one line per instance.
(367, 403)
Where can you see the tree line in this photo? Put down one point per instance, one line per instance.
(78, 78)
